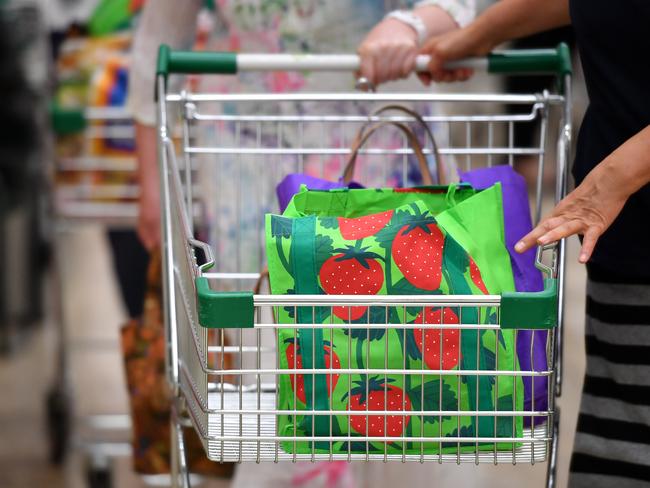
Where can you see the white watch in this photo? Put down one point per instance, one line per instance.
(412, 20)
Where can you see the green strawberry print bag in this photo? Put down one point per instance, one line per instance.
(397, 251)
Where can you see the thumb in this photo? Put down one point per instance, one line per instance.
(425, 78)
(437, 61)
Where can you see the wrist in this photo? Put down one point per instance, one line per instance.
(412, 22)
(436, 19)
(482, 36)
(620, 178)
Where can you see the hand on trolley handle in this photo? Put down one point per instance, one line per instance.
(390, 49)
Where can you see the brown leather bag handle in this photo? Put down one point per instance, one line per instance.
(440, 169)
(364, 134)
(264, 276)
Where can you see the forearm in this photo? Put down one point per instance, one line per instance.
(512, 19)
(436, 20)
(627, 169)
(441, 16)
(146, 154)
(162, 22)
(149, 183)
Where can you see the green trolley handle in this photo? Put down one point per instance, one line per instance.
(515, 62)
(518, 310)
(65, 121)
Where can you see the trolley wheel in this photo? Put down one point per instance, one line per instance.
(59, 413)
(99, 476)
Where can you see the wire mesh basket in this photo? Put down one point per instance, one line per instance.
(235, 361)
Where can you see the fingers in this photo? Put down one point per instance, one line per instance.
(149, 226)
(425, 78)
(588, 244)
(526, 242)
(438, 72)
(436, 66)
(530, 239)
(388, 52)
(387, 63)
(465, 74)
(561, 231)
(367, 66)
(556, 228)
(146, 239)
(408, 65)
(393, 66)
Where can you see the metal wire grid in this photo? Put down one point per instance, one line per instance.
(92, 188)
(242, 403)
(235, 408)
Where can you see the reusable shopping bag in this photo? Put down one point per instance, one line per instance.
(312, 252)
(143, 348)
(516, 215)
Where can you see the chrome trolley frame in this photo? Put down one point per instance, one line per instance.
(225, 380)
(90, 197)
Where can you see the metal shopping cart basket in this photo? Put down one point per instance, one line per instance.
(223, 358)
(93, 182)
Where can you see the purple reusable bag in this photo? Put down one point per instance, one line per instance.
(517, 221)
(290, 185)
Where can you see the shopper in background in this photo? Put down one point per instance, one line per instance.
(272, 26)
(608, 209)
(408, 30)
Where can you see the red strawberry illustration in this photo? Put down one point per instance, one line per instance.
(295, 362)
(354, 271)
(362, 227)
(380, 396)
(430, 347)
(475, 274)
(417, 252)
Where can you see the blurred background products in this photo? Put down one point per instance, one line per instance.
(24, 61)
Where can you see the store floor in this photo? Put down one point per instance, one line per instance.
(94, 314)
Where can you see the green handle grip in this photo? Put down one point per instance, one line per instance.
(519, 310)
(195, 62)
(534, 310)
(532, 61)
(223, 310)
(65, 121)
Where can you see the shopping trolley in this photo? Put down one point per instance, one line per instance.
(241, 145)
(93, 181)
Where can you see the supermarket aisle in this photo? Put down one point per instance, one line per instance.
(94, 314)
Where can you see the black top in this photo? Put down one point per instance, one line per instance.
(614, 42)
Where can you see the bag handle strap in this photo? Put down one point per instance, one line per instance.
(440, 167)
(264, 278)
(366, 132)
(427, 178)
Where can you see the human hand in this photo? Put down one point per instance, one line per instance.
(588, 210)
(454, 45)
(388, 52)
